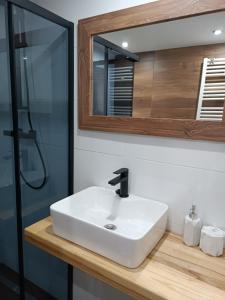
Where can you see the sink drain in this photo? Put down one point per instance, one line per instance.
(110, 226)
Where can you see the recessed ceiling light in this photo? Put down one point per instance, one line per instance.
(124, 44)
(217, 31)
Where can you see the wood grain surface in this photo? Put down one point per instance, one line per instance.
(167, 82)
(173, 271)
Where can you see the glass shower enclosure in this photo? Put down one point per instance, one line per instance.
(36, 144)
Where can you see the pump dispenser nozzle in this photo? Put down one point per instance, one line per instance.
(192, 213)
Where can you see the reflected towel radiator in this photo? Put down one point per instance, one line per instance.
(120, 90)
(212, 90)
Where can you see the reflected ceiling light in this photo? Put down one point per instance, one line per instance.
(217, 31)
(124, 44)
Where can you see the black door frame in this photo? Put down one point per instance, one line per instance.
(33, 8)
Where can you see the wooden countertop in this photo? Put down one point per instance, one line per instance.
(173, 271)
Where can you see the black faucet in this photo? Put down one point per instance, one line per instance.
(123, 180)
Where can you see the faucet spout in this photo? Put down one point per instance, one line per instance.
(115, 181)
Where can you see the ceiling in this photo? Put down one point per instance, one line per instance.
(180, 33)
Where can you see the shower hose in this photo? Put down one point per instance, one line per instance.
(29, 118)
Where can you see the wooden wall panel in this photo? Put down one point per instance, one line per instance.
(167, 82)
(143, 85)
(176, 83)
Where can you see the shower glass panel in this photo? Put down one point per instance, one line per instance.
(8, 222)
(41, 61)
(100, 69)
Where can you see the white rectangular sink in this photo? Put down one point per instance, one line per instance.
(135, 225)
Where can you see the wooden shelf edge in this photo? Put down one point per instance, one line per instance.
(173, 271)
(81, 264)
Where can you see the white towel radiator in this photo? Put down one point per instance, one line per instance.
(212, 90)
(120, 90)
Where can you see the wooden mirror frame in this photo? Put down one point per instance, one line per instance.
(146, 14)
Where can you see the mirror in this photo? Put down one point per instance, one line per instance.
(170, 70)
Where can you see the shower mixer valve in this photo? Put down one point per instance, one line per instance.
(31, 134)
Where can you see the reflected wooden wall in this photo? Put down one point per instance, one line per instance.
(166, 82)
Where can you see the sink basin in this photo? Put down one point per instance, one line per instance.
(124, 230)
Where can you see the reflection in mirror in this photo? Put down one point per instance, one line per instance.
(113, 70)
(170, 70)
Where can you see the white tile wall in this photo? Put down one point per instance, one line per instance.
(178, 186)
(88, 288)
(175, 171)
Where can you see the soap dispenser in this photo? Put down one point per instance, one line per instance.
(192, 228)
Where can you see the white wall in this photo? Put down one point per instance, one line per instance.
(175, 171)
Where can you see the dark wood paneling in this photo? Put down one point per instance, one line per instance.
(167, 82)
(143, 85)
(151, 13)
(176, 83)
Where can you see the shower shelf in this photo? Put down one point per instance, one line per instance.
(172, 272)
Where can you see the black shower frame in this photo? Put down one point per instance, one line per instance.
(33, 8)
